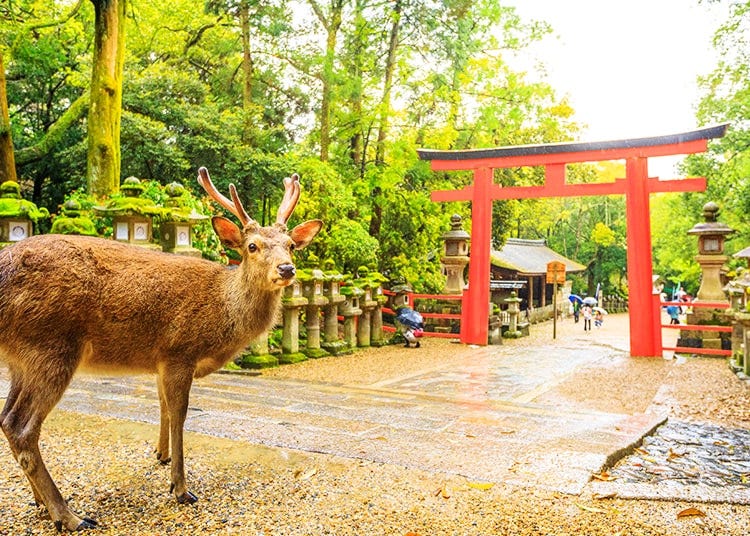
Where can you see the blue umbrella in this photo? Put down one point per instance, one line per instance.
(410, 318)
(575, 298)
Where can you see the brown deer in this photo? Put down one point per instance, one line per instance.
(72, 303)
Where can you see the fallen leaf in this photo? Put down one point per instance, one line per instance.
(689, 512)
(650, 459)
(672, 455)
(481, 485)
(591, 509)
(445, 492)
(412, 534)
(641, 451)
(470, 435)
(604, 475)
(299, 474)
(604, 495)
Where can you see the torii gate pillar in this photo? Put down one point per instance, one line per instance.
(645, 330)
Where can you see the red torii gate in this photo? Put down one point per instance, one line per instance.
(645, 326)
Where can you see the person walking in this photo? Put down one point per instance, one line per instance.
(674, 314)
(587, 314)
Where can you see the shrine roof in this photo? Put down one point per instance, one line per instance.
(573, 147)
(530, 257)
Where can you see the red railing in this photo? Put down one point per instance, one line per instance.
(412, 299)
(697, 327)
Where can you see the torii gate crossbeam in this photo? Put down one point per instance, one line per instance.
(645, 334)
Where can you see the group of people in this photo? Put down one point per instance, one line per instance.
(589, 313)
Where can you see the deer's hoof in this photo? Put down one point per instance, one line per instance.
(87, 523)
(187, 498)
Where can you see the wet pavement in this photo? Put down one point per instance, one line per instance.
(473, 417)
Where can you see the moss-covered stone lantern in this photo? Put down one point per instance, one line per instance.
(176, 231)
(292, 302)
(73, 221)
(332, 343)
(312, 289)
(455, 256)
(350, 310)
(132, 215)
(17, 216)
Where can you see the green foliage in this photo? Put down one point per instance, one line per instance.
(352, 246)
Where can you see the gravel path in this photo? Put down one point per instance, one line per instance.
(107, 471)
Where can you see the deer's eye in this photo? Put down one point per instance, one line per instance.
(252, 247)
(291, 246)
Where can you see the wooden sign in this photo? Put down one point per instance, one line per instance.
(556, 272)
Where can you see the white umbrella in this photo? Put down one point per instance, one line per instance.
(590, 300)
(601, 310)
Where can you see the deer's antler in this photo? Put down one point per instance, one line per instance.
(234, 206)
(291, 196)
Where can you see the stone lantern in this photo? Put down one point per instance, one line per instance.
(514, 310)
(177, 230)
(132, 215)
(455, 256)
(73, 221)
(17, 216)
(711, 235)
(312, 290)
(331, 290)
(350, 310)
(292, 302)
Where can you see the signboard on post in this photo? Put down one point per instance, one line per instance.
(555, 276)
(556, 272)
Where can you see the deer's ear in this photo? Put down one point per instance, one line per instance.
(229, 234)
(303, 234)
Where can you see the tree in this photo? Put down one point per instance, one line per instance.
(7, 158)
(105, 110)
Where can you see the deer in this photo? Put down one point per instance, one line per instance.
(71, 304)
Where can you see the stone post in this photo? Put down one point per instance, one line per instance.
(331, 341)
(350, 311)
(455, 256)
(292, 302)
(514, 309)
(711, 235)
(312, 289)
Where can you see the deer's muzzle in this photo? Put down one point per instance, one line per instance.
(286, 271)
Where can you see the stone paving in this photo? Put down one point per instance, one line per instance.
(473, 418)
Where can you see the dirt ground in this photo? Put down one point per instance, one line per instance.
(107, 470)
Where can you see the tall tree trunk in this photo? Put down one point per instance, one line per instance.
(7, 158)
(355, 140)
(332, 24)
(247, 71)
(390, 66)
(105, 111)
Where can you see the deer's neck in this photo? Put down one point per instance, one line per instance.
(253, 309)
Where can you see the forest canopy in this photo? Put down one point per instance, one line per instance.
(342, 92)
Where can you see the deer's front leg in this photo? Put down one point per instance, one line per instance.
(176, 383)
(162, 448)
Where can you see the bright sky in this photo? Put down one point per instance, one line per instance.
(629, 68)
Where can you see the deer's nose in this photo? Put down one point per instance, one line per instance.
(286, 271)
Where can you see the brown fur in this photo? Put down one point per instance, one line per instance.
(71, 303)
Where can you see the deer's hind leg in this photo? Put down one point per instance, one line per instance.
(32, 396)
(16, 381)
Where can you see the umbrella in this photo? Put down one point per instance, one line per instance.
(590, 300)
(410, 318)
(601, 310)
(575, 298)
